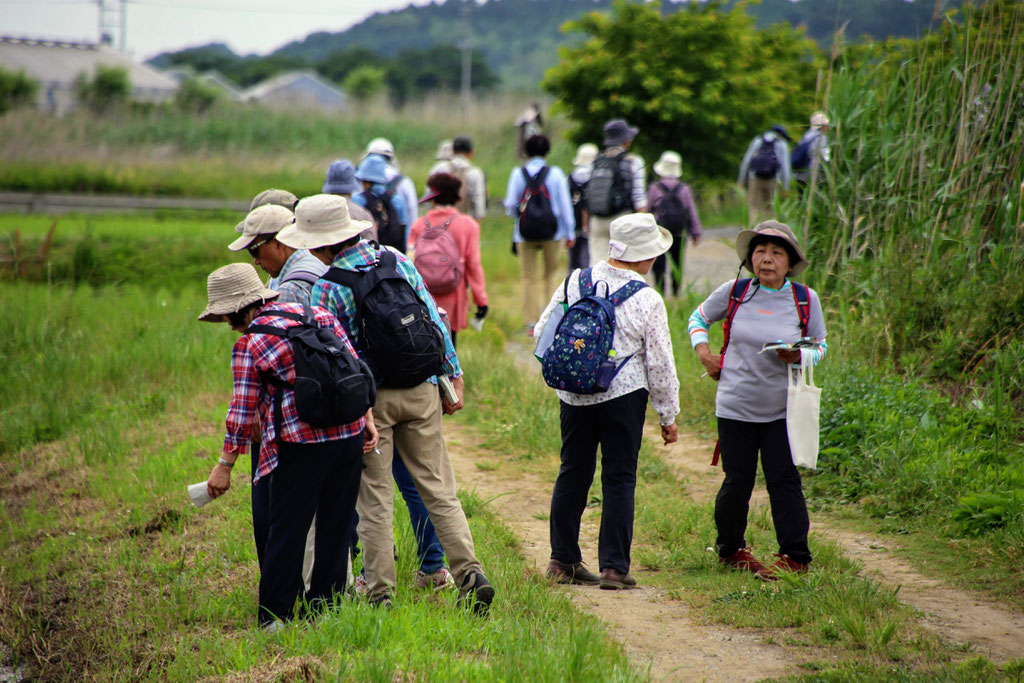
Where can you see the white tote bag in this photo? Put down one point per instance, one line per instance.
(803, 403)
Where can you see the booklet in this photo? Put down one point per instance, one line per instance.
(198, 494)
(447, 389)
(802, 343)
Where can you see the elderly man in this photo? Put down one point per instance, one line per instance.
(409, 406)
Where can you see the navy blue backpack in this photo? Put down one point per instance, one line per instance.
(581, 360)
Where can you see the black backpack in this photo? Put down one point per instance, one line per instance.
(536, 217)
(390, 230)
(608, 192)
(332, 386)
(397, 337)
(670, 212)
(576, 190)
(765, 164)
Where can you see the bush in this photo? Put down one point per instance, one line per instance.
(16, 90)
(109, 87)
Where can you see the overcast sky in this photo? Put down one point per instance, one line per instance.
(155, 26)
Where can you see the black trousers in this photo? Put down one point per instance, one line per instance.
(260, 508)
(741, 442)
(676, 252)
(313, 478)
(617, 426)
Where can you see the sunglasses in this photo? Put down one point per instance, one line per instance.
(254, 249)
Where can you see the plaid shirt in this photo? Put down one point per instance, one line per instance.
(254, 354)
(338, 299)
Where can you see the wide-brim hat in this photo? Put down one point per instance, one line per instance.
(268, 219)
(321, 220)
(617, 132)
(586, 154)
(273, 196)
(381, 146)
(637, 237)
(231, 288)
(670, 165)
(341, 178)
(771, 229)
(373, 169)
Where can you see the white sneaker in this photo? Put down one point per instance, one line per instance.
(439, 580)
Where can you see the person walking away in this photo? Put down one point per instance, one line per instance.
(309, 470)
(473, 200)
(765, 163)
(750, 402)
(537, 196)
(617, 185)
(613, 419)
(446, 252)
(341, 180)
(387, 207)
(579, 253)
(811, 151)
(401, 184)
(674, 209)
(365, 282)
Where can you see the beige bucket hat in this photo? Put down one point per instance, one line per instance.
(670, 165)
(585, 154)
(381, 146)
(637, 237)
(230, 289)
(771, 229)
(268, 219)
(321, 220)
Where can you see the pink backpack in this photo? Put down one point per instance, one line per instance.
(438, 259)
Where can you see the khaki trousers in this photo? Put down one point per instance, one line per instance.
(411, 420)
(759, 198)
(538, 285)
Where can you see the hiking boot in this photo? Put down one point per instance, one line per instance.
(439, 580)
(382, 602)
(743, 560)
(785, 563)
(577, 574)
(475, 586)
(615, 580)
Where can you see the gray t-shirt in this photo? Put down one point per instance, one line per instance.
(752, 387)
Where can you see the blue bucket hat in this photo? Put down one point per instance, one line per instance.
(373, 169)
(341, 178)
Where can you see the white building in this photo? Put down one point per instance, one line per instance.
(55, 65)
(297, 89)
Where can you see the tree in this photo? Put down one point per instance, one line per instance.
(196, 97)
(365, 82)
(109, 87)
(702, 81)
(16, 89)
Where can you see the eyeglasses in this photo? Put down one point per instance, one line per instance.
(254, 249)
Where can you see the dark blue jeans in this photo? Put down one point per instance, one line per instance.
(431, 554)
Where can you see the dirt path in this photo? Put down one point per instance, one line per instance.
(662, 633)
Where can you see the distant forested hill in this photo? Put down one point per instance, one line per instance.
(519, 39)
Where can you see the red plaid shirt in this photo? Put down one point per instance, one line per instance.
(254, 354)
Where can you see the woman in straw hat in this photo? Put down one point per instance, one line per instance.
(751, 397)
(614, 419)
(312, 470)
(672, 204)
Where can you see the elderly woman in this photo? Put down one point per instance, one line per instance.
(443, 192)
(311, 470)
(751, 398)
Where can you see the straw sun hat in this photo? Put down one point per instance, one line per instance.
(637, 237)
(321, 220)
(771, 229)
(232, 288)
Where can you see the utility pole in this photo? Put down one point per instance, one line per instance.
(113, 21)
(467, 55)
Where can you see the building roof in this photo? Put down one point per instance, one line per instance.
(55, 62)
(284, 81)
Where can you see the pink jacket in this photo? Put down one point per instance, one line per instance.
(466, 232)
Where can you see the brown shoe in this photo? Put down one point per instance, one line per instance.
(577, 574)
(614, 580)
(744, 561)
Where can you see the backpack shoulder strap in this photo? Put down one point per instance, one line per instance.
(393, 183)
(586, 282)
(627, 290)
(301, 276)
(736, 294)
(802, 297)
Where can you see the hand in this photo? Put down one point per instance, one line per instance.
(370, 434)
(790, 356)
(452, 408)
(696, 240)
(669, 433)
(710, 361)
(569, 244)
(481, 312)
(219, 481)
(256, 432)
